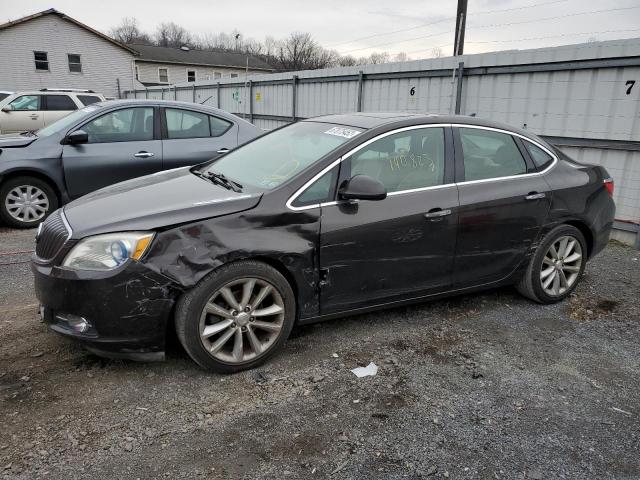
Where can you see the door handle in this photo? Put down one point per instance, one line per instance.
(535, 196)
(437, 213)
(223, 150)
(143, 154)
(33, 116)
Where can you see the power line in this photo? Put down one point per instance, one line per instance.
(495, 25)
(446, 19)
(530, 38)
(401, 41)
(555, 17)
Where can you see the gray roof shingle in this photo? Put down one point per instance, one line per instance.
(198, 57)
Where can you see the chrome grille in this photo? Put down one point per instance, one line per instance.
(52, 236)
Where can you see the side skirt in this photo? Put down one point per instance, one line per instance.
(411, 301)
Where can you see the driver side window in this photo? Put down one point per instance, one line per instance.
(403, 161)
(125, 125)
(26, 103)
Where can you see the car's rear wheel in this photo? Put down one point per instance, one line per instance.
(237, 317)
(26, 201)
(556, 267)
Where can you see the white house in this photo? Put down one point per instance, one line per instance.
(168, 66)
(52, 50)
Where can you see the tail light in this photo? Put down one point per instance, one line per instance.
(608, 184)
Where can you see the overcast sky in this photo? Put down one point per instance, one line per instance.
(360, 27)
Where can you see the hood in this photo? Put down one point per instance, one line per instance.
(154, 201)
(15, 140)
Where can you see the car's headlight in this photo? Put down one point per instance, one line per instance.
(106, 252)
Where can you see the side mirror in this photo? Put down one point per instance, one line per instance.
(363, 187)
(7, 108)
(77, 137)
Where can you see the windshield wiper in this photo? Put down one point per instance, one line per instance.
(220, 179)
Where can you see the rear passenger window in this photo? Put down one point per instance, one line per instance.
(88, 99)
(60, 102)
(540, 158)
(403, 161)
(490, 154)
(218, 126)
(186, 124)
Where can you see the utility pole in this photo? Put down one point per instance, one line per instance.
(461, 20)
(458, 48)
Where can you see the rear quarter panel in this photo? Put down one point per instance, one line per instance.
(579, 195)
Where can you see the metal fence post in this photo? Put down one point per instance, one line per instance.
(251, 101)
(146, 92)
(218, 95)
(175, 92)
(294, 97)
(162, 93)
(459, 88)
(193, 93)
(360, 85)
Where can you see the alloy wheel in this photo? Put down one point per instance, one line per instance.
(242, 320)
(561, 265)
(26, 203)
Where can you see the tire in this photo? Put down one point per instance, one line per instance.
(535, 285)
(202, 334)
(41, 203)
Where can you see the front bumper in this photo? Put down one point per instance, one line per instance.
(126, 310)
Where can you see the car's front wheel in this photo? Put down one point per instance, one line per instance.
(26, 201)
(237, 317)
(556, 267)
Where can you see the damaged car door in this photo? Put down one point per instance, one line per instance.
(374, 252)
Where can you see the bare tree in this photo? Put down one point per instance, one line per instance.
(170, 34)
(401, 57)
(129, 32)
(347, 61)
(436, 52)
(377, 57)
(299, 52)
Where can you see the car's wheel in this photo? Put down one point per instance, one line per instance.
(236, 317)
(26, 201)
(556, 267)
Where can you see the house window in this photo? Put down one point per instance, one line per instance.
(163, 75)
(42, 60)
(74, 63)
(191, 75)
(217, 75)
(234, 75)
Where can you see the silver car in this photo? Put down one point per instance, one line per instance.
(34, 110)
(106, 143)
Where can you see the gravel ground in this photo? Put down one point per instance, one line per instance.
(480, 386)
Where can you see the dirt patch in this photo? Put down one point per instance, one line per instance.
(585, 309)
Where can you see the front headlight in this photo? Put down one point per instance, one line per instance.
(106, 252)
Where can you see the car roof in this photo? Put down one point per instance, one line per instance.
(170, 103)
(371, 120)
(53, 92)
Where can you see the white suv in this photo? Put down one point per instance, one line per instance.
(29, 111)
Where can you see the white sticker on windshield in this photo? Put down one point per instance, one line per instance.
(342, 132)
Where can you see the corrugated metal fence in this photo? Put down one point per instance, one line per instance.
(583, 98)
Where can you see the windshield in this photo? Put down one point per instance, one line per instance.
(64, 122)
(273, 159)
